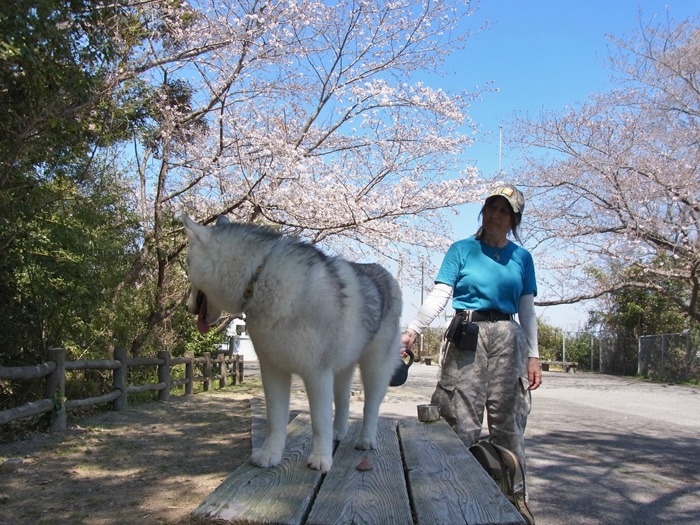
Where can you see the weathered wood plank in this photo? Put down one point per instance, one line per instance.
(377, 496)
(145, 388)
(258, 423)
(446, 483)
(279, 495)
(92, 364)
(27, 372)
(32, 408)
(104, 398)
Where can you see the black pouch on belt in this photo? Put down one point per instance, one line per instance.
(454, 331)
(469, 336)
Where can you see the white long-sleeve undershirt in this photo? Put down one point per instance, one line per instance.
(431, 307)
(528, 320)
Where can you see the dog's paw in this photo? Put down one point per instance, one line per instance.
(339, 435)
(266, 459)
(366, 444)
(320, 462)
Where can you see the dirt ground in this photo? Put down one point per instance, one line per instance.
(152, 464)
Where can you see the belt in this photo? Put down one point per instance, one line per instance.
(486, 315)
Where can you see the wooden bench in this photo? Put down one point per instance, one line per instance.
(565, 365)
(422, 474)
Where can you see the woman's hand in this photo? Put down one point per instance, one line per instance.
(534, 373)
(407, 340)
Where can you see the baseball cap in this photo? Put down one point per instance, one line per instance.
(514, 196)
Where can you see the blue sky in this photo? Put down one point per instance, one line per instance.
(541, 55)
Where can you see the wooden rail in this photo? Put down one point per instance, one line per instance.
(54, 370)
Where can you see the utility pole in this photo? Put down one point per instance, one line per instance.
(563, 346)
(422, 286)
(500, 151)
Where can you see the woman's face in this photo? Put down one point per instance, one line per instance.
(497, 217)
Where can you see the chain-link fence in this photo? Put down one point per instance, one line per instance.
(662, 357)
(598, 352)
(617, 355)
(669, 357)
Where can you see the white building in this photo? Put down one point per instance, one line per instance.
(241, 340)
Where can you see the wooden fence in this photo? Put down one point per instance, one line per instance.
(56, 367)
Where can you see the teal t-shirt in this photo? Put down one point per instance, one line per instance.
(485, 278)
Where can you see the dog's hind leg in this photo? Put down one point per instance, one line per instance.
(319, 388)
(376, 369)
(341, 392)
(277, 386)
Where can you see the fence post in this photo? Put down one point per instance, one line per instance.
(56, 389)
(164, 375)
(232, 363)
(119, 380)
(239, 363)
(221, 358)
(189, 372)
(207, 370)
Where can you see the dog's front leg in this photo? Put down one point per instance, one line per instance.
(319, 388)
(277, 386)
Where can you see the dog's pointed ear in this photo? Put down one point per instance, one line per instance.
(222, 219)
(195, 232)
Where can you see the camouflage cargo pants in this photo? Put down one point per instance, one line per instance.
(492, 378)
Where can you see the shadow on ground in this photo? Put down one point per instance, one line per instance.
(607, 477)
(152, 464)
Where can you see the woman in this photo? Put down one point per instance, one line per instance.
(491, 279)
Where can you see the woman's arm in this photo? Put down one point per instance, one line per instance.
(528, 320)
(429, 310)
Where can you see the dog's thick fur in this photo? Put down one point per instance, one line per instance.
(307, 314)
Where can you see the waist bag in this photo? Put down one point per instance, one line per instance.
(463, 333)
(505, 469)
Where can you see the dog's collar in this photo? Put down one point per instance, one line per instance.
(249, 288)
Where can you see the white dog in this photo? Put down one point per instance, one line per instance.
(307, 314)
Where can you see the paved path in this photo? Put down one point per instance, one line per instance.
(602, 449)
(610, 450)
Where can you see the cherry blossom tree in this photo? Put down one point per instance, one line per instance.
(616, 182)
(316, 117)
